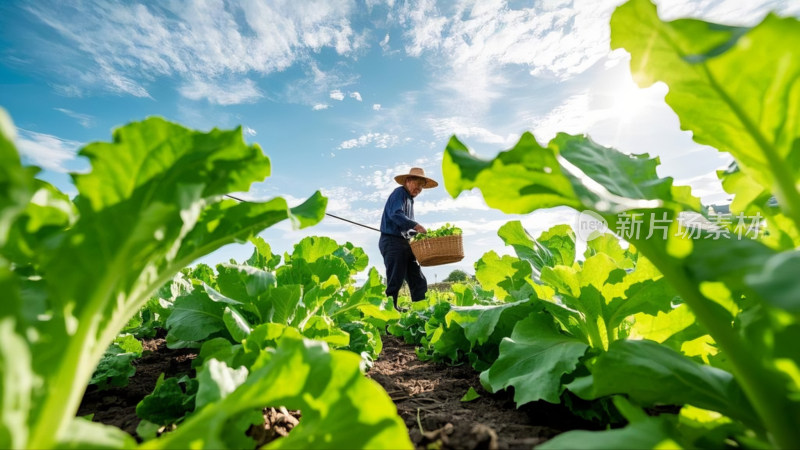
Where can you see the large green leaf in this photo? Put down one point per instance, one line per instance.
(663, 326)
(649, 297)
(341, 408)
(369, 301)
(355, 257)
(653, 374)
(16, 386)
(734, 88)
(195, 317)
(610, 245)
(115, 368)
(527, 169)
(314, 299)
(172, 399)
(601, 179)
(631, 188)
(589, 174)
(314, 247)
(595, 298)
(480, 321)
(155, 154)
(151, 204)
(750, 199)
(556, 246)
(16, 182)
(262, 257)
(281, 303)
(533, 360)
(48, 213)
(216, 381)
(655, 432)
(260, 292)
(237, 324)
(777, 282)
(16, 189)
(560, 241)
(83, 434)
(243, 283)
(503, 275)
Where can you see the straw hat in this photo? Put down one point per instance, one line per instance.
(419, 173)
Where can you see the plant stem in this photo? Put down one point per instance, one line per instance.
(787, 193)
(769, 400)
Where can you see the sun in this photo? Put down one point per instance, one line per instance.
(629, 102)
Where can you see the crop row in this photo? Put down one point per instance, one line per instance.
(704, 322)
(716, 311)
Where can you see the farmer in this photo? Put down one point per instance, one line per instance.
(397, 221)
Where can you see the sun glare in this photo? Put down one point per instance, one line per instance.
(628, 102)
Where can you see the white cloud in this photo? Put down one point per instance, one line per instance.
(316, 83)
(376, 107)
(427, 26)
(573, 115)
(341, 200)
(85, 120)
(65, 90)
(385, 43)
(446, 127)
(355, 95)
(338, 198)
(377, 179)
(708, 186)
(378, 183)
(379, 140)
(337, 95)
(475, 41)
(740, 13)
(320, 106)
(230, 93)
(45, 150)
(129, 44)
(543, 220)
(465, 201)
(483, 48)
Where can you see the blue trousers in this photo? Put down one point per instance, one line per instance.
(401, 265)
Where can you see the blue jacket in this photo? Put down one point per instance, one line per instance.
(398, 214)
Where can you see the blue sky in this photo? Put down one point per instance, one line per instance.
(342, 95)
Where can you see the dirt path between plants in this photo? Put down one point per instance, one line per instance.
(428, 398)
(427, 395)
(117, 406)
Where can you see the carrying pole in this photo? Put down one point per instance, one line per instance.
(327, 214)
(354, 223)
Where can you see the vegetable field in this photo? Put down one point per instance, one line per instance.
(676, 328)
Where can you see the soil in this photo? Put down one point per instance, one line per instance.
(117, 406)
(427, 395)
(428, 398)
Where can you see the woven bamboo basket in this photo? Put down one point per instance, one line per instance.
(439, 250)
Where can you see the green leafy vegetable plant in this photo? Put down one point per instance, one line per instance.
(240, 311)
(313, 291)
(152, 204)
(445, 230)
(115, 367)
(735, 89)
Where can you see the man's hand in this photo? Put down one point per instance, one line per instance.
(420, 229)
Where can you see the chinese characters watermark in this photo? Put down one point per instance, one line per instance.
(660, 225)
(690, 226)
